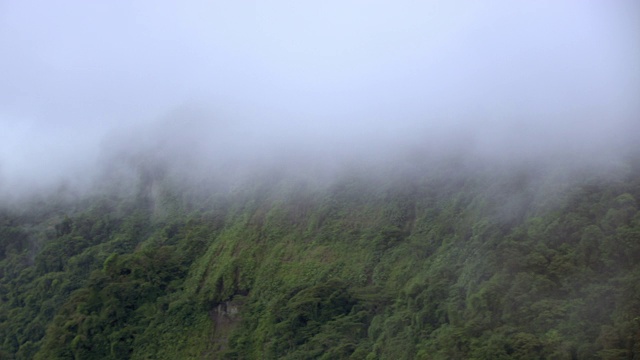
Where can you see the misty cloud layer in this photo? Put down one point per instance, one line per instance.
(207, 84)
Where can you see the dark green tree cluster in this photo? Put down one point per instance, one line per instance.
(473, 264)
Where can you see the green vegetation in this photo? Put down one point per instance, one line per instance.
(478, 265)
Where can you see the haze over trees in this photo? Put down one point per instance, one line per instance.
(449, 262)
(339, 180)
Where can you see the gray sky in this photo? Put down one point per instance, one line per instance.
(509, 75)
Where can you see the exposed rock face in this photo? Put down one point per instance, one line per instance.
(226, 317)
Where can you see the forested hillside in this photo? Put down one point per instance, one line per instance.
(427, 262)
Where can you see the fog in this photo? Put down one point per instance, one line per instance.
(89, 89)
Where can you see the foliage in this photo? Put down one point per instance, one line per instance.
(479, 265)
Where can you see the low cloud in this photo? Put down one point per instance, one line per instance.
(204, 86)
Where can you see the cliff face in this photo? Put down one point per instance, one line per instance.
(442, 264)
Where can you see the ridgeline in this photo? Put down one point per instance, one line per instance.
(453, 262)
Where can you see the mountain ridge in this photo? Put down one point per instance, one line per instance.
(455, 262)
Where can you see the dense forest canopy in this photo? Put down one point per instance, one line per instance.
(449, 259)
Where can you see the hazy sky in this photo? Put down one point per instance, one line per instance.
(503, 73)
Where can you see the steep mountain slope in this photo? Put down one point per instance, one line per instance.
(447, 262)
